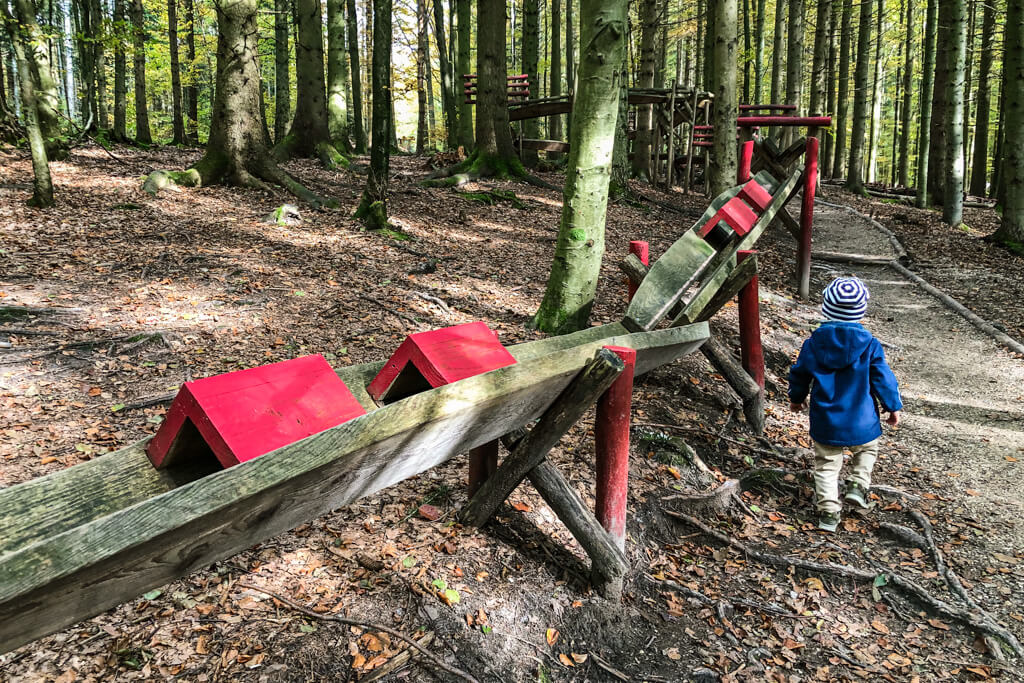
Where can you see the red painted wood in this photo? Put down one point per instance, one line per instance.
(736, 214)
(751, 352)
(444, 356)
(244, 414)
(754, 194)
(791, 121)
(483, 462)
(611, 434)
(746, 156)
(643, 251)
(803, 257)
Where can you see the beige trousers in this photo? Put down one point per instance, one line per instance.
(828, 462)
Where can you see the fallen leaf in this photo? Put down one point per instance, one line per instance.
(565, 660)
(429, 512)
(522, 507)
(579, 659)
(672, 653)
(935, 623)
(880, 627)
(551, 636)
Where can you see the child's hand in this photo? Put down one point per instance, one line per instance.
(796, 407)
(894, 418)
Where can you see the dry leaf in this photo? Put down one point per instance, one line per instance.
(522, 507)
(672, 653)
(429, 512)
(565, 660)
(551, 636)
(935, 623)
(358, 661)
(880, 627)
(579, 659)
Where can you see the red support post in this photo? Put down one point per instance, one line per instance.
(751, 353)
(483, 461)
(803, 258)
(643, 252)
(746, 157)
(611, 433)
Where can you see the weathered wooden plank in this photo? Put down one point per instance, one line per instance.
(82, 567)
(704, 308)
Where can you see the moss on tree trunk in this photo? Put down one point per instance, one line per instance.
(373, 207)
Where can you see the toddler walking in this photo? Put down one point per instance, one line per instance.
(842, 367)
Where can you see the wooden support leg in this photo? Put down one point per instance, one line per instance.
(581, 393)
(642, 251)
(752, 355)
(807, 219)
(483, 462)
(611, 434)
(746, 157)
(739, 380)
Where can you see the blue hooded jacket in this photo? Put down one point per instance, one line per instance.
(843, 368)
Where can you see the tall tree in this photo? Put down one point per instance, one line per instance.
(373, 206)
(464, 16)
(746, 51)
(855, 172)
(120, 77)
(44, 87)
(191, 92)
(139, 35)
(282, 69)
(447, 87)
(531, 50)
(843, 97)
(722, 172)
(819, 61)
(979, 165)
(875, 129)
(645, 113)
(778, 90)
(924, 140)
(569, 296)
(953, 169)
(422, 132)
(794, 61)
(20, 33)
(555, 122)
(908, 80)
(759, 50)
(309, 135)
(337, 75)
(359, 131)
(1011, 228)
(178, 123)
(828, 145)
(99, 60)
(940, 99)
(570, 48)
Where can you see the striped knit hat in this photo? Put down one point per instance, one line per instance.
(845, 300)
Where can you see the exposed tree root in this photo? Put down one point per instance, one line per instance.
(717, 499)
(479, 165)
(325, 150)
(910, 588)
(765, 607)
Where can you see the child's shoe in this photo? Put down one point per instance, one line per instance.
(828, 521)
(857, 494)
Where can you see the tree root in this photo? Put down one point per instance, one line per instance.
(717, 499)
(366, 625)
(767, 608)
(477, 166)
(907, 586)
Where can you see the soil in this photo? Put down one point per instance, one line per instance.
(142, 293)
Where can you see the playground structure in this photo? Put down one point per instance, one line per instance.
(79, 541)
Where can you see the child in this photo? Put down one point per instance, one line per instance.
(843, 368)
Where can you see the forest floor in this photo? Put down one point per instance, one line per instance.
(133, 295)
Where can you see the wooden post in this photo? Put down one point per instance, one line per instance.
(611, 434)
(671, 136)
(803, 259)
(746, 157)
(689, 149)
(751, 353)
(642, 251)
(483, 461)
(739, 380)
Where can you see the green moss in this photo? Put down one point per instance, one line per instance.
(577, 234)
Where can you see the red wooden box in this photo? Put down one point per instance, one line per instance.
(427, 360)
(242, 415)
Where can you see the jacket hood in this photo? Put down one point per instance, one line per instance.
(838, 345)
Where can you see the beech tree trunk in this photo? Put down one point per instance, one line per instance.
(555, 122)
(819, 62)
(794, 62)
(531, 50)
(979, 165)
(746, 51)
(447, 87)
(359, 131)
(829, 142)
(937, 149)
(142, 133)
(421, 76)
(45, 93)
(875, 130)
(778, 90)
(908, 81)
(645, 112)
(177, 122)
(373, 207)
(99, 58)
(855, 173)
(464, 16)
(759, 51)
(722, 171)
(282, 78)
(843, 97)
(953, 169)
(337, 75)
(493, 137)
(191, 92)
(120, 77)
(569, 296)
(1011, 228)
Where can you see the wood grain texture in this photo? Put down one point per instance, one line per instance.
(87, 538)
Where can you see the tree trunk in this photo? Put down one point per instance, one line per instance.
(759, 50)
(937, 150)
(996, 188)
(99, 59)
(139, 35)
(979, 165)
(927, 87)
(191, 92)
(19, 32)
(953, 170)
(843, 97)
(699, 69)
(778, 91)
(83, 31)
(493, 137)
(357, 89)
(574, 272)
(645, 112)
(908, 84)
(875, 131)
(570, 49)
(447, 88)
(829, 145)
(794, 62)
(619, 185)
(282, 79)
(746, 51)
(373, 207)
(464, 16)
(1011, 228)
(429, 72)
(44, 87)
(854, 175)
(337, 74)
(555, 122)
(421, 76)
(819, 62)
(722, 171)
(120, 77)
(309, 136)
(178, 123)
(531, 50)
